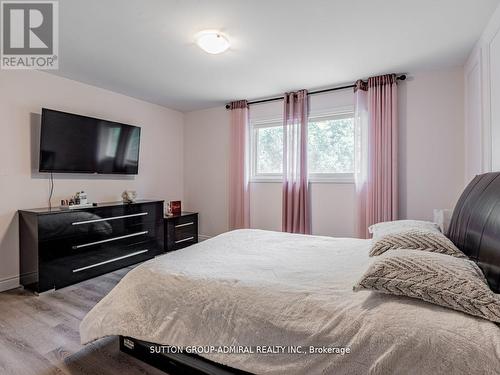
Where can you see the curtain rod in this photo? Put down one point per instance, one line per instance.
(402, 77)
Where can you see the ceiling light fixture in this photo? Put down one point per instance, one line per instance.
(212, 42)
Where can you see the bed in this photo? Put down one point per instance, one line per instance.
(259, 291)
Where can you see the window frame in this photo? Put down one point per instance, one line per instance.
(254, 128)
(255, 125)
(337, 178)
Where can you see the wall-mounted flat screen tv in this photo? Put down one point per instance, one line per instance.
(71, 143)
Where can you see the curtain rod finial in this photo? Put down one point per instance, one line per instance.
(228, 106)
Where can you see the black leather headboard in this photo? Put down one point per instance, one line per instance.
(475, 225)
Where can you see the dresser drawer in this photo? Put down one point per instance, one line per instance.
(106, 219)
(182, 231)
(100, 240)
(181, 221)
(69, 270)
(185, 240)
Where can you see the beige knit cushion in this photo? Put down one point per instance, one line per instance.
(416, 239)
(446, 281)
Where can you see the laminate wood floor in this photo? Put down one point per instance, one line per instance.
(39, 335)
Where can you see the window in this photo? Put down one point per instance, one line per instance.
(330, 149)
(267, 150)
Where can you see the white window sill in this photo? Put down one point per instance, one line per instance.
(312, 180)
(266, 179)
(332, 180)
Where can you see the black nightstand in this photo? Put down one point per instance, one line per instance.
(181, 230)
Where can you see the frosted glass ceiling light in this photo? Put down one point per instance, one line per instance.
(212, 42)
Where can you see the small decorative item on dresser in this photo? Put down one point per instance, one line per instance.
(175, 207)
(82, 197)
(79, 200)
(129, 196)
(181, 230)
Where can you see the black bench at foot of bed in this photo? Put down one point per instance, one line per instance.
(173, 362)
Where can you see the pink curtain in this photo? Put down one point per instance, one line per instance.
(295, 207)
(361, 155)
(376, 146)
(239, 202)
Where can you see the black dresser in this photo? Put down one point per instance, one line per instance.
(62, 247)
(181, 230)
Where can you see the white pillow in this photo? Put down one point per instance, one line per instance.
(390, 227)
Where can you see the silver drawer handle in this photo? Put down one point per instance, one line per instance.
(110, 261)
(185, 239)
(184, 225)
(110, 239)
(108, 218)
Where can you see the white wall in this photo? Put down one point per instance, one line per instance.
(332, 208)
(206, 151)
(22, 95)
(482, 102)
(473, 132)
(431, 121)
(431, 160)
(494, 76)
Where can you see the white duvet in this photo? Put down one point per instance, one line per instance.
(255, 288)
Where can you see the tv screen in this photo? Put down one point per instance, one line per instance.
(72, 143)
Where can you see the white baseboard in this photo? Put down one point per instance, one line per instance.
(203, 237)
(10, 283)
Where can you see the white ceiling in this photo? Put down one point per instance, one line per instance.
(145, 48)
